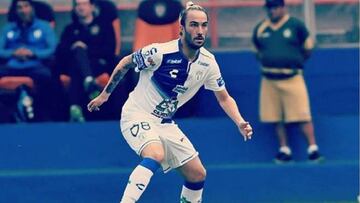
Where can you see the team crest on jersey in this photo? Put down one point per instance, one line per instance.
(94, 30)
(10, 34)
(37, 33)
(220, 81)
(199, 75)
(287, 33)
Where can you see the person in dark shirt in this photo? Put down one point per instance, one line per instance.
(86, 50)
(106, 12)
(283, 44)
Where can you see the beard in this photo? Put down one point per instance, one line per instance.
(190, 42)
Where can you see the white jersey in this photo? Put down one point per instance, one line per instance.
(168, 79)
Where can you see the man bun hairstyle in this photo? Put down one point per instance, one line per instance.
(189, 7)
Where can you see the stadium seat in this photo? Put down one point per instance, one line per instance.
(157, 22)
(101, 80)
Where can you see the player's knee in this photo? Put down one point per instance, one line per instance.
(202, 174)
(154, 151)
(156, 155)
(198, 175)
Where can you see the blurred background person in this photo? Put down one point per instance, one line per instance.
(106, 12)
(27, 45)
(85, 53)
(283, 44)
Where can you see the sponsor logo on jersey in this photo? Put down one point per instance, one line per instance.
(180, 89)
(220, 81)
(166, 108)
(152, 51)
(174, 61)
(203, 64)
(173, 73)
(151, 61)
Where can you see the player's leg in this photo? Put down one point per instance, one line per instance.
(142, 137)
(152, 154)
(194, 174)
(181, 154)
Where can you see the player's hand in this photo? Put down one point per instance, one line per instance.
(245, 130)
(94, 105)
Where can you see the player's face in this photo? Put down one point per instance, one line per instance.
(275, 13)
(83, 8)
(196, 28)
(24, 11)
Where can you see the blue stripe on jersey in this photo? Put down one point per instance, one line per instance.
(171, 73)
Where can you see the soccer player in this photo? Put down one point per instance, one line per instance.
(170, 74)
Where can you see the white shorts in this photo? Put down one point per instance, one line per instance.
(141, 130)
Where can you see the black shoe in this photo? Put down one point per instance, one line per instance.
(315, 157)
(282, 158)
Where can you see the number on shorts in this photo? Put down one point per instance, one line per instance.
(136, 127)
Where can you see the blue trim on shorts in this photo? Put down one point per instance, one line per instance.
(167, 120)
(194, 186)
(150, 164)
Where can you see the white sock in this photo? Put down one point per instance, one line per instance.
(285, 149)
(192, 195)
(312, 148)
(139, 180)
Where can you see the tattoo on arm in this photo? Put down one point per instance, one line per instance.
(117, 77)
(115, 80)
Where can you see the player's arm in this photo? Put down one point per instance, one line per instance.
(305, 38)
(118, 73)
(308, 47)
(230, 107)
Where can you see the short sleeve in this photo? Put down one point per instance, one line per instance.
(254, 37)
(214, 80)
(302, 32)
(108, 10)
(148, 58)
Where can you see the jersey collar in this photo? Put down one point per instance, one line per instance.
(184, 56)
